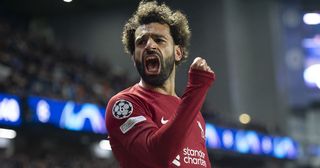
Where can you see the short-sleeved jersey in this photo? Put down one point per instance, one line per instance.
(150, 129)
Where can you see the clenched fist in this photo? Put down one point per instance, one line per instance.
(200, 64)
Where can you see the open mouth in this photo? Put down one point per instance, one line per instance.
(152, 65)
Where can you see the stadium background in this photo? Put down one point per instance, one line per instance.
(55, 53)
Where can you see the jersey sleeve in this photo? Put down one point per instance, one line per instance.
(129, 122)
(133, 130)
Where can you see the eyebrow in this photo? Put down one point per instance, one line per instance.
(152, 35)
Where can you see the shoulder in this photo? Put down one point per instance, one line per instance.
(125, 104)
(128, 96)
(124, 110)
(134, 95)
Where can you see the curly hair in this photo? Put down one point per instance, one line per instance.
(150, 12)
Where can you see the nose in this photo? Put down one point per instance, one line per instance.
(151, 44)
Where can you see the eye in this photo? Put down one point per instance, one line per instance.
(159, 40)
(141, 41)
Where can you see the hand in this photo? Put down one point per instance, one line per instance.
(200, 64)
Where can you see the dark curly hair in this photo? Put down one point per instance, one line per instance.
(151, 11)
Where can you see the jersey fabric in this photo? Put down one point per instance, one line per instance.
(150, 129)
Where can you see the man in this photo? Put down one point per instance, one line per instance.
(148, 124)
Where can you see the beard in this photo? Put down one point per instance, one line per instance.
(166, 68)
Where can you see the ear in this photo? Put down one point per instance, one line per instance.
(178, 53)
(132, 59)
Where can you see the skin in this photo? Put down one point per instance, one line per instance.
(156, 36)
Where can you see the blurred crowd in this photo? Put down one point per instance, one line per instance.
(55, 161)
(29, 65)
(47, 154)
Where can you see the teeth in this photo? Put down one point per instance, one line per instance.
(152, 64)
(151, 57)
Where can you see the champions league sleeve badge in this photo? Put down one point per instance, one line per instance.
(122, 109)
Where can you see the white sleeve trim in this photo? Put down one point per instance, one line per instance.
(132, 121)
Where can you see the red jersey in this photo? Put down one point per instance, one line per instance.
(150, 129)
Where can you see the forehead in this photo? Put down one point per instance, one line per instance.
(153, 29)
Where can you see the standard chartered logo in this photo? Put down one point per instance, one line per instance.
(196, 157)
(191, 156)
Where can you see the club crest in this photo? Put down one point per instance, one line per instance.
(122, 109)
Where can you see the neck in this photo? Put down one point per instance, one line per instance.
(168, 88)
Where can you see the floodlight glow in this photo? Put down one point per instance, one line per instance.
(105, 145)
(9, 110)
(253, 141)
(227, 138)
(289, 148)
(99, 151)
(7, 133)
(43, 111)
(212, 136)
(266, 145)
(67, 0)
(311, 75)
(244, 118)
(242, 144)
(311, 18)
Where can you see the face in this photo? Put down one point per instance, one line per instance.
(155, 53)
